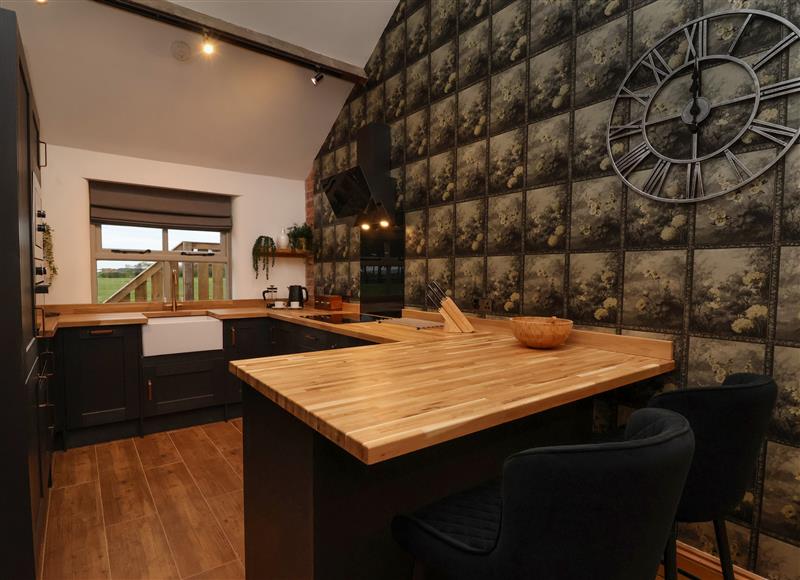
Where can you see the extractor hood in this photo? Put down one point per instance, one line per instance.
(356, 192)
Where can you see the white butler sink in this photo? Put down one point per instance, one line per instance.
(174, 334)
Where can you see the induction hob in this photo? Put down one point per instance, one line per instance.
(345, 317)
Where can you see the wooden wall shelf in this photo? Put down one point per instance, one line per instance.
(289, 253)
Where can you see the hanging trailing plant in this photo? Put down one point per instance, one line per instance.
(47, 251)
(263, 249)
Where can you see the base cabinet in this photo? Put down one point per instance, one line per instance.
(243, 339)
(291, 338)
(105, 389)
(259, 337)
(183, 382)
(101, 374)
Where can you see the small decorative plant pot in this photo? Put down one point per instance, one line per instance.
(283, 240)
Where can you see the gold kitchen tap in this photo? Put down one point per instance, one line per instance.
(175, 290)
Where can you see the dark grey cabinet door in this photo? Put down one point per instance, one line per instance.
(182, 382)
(243, 339)
(283, 337)
(34, 458)
(46, 429)
(101, 382)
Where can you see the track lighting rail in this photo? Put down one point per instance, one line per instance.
(228, 33)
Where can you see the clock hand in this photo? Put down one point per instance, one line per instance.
(695, 91)
(732, 101)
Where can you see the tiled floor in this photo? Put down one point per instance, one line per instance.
(165, 506)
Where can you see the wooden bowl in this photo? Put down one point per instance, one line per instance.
(541, 331)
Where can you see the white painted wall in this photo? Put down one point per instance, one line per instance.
(261, 205)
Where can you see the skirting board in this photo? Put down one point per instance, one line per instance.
(704, 565)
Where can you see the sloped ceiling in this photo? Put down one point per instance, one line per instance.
(346, 30)
(105, 80)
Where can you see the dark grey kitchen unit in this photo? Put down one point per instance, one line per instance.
(109, 390)
(245, 338)
(101, 374)
(174, 383)
(289, 338)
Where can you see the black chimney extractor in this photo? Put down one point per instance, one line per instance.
(367, 187)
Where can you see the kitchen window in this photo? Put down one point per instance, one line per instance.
(141, 234)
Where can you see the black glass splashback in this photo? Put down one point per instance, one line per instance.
(382, 271)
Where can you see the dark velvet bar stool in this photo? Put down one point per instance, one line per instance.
(729, 424)
(571, 512)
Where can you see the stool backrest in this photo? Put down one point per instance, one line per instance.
(595, 511)
(729, 424)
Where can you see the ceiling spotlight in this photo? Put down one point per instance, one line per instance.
(317, 78)
(41, 1)
(208, 46)
(384, 223)
(365, 227)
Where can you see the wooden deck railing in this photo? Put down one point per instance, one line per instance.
(153, 284)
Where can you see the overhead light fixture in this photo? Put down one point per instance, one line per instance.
(317, 78)
(41, 1)
(208, 46)
(365, 227)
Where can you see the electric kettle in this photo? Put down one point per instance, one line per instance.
(298, 293)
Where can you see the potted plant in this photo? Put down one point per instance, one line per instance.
(300, 236)
(263, 249)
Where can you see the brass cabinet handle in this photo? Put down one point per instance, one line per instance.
(309, 337)
(233, 336)
(101, 331)
(149, 390)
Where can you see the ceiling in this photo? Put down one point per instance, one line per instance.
(346, 30)
(105, 80)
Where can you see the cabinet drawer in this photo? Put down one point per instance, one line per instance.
(98, 332)
(341, 341)
(311, 339)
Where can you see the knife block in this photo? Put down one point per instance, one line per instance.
(454, 319)
(449, 324)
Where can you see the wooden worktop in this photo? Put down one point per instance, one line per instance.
(382, 401)
(366, 331)
(416, 388)
(53, 323)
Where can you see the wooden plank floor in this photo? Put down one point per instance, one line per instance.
(164, 506)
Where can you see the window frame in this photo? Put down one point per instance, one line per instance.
(98, 253)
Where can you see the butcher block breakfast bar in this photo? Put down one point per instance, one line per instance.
(337, 442)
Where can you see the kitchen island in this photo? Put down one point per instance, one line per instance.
(337, 442)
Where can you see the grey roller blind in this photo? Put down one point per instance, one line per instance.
(139, 205)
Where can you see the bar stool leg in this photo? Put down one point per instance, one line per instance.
(724, 549)
(671, 555)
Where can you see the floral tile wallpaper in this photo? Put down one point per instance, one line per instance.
(498, 111)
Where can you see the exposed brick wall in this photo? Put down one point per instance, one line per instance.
(310, 221)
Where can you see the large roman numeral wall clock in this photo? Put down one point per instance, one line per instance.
(694, 102)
